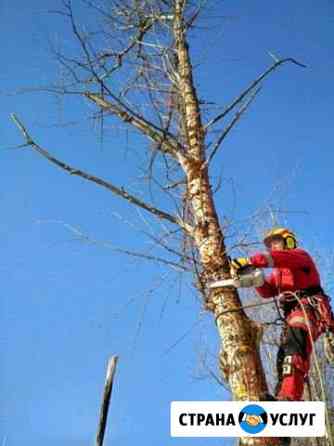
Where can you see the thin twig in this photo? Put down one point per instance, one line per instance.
(105, 243)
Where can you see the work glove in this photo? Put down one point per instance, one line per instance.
(240, 263)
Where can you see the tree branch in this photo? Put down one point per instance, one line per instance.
(85, 238)
(144, 26)
(230, 126)
(251, 87)
(119, 191)
(166, 141)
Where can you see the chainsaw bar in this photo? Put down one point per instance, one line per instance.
(245, 279)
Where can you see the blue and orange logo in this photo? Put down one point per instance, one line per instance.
(253, 419)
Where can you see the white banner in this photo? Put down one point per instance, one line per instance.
(247, 418)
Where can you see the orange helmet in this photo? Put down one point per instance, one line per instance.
(289, 238)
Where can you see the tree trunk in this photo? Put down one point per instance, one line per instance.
(239, 358)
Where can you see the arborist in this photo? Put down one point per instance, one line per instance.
(305, 307)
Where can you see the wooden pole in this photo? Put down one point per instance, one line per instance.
(106, 400)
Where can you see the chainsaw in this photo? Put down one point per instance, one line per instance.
(246, 277)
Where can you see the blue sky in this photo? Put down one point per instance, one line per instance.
(66, 306)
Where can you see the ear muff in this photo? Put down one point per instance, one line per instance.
(290, 242)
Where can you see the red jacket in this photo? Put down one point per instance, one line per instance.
(293, 270)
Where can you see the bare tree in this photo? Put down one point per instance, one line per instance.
(134, 66)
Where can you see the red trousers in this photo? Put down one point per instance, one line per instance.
(311, 317)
